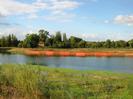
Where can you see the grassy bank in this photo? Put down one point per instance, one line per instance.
(38, 82)
(22, 50)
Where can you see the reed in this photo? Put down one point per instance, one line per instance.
(38, 82)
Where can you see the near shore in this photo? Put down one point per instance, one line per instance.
(39, 82)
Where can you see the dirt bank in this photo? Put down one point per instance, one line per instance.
(79, 53)
(74, 52)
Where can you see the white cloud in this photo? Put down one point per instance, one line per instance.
(33, 16)
(62, 5)
(124, 19)
(62, 17)
(13, 7)
(40, 4)
(54, 7)
(89, 36)
(105, 36)
(59, 9)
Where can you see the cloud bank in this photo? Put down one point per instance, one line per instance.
(58, 8)
(124, 19)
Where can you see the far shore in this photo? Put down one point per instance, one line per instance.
(77, 52)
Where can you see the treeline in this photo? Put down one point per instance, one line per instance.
(111, 44)
(45, 39)
(9, 41)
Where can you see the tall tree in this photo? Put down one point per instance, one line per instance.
(9, 40)
(72, 42)
(130, 42)
(64, 37)
(58, 37)
(3, 42)
(43, 35)
(14, 40)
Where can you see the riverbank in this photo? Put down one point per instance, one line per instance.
(38, 82)
(74, 52)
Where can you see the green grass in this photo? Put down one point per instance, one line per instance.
(22, 50)
(38, 82)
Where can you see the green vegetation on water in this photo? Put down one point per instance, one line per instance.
(38, 82)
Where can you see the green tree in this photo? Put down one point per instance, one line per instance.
(82, 44)
(113, 44)
(3, 41)
(20, 44)
(9, 40)
(120, 44)
(43, 35)
(64, 37)
(31, 41)
(67, 44)
(58, 37)
(14, 41)
(49, 42)
(74, 41)
(107, 44)
(130, 42)
(99, 44)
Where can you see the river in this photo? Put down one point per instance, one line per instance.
(115, 64)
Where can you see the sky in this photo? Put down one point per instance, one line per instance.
(92, 20)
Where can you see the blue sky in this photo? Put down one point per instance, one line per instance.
(89, 19)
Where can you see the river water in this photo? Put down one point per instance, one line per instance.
(115, 64)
